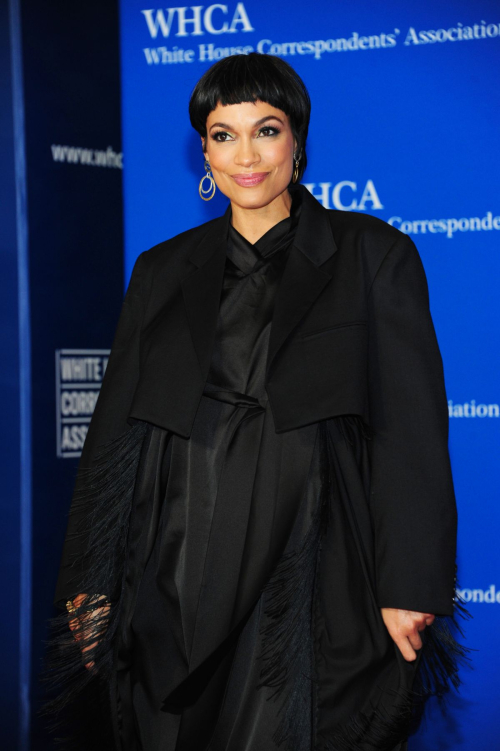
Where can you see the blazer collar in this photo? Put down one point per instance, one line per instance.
(303, 278)
(313, 237)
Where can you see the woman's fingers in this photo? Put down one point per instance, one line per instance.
(406, 649)
(404, 627)
(414, 639)
(88, 624)
(73, 624)
(94, 622)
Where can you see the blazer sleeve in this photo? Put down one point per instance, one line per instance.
(412, 498)
(109, 422)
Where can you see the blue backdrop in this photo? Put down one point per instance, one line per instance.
(405, 112)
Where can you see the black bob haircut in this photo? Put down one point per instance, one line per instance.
(248, 78)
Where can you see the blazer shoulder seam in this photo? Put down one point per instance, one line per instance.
(181, 237)
(402, 240)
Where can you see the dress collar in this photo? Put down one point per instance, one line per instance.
(248, 256)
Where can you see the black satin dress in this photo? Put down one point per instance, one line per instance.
(226, 485)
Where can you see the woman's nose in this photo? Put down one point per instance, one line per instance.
(247, 154)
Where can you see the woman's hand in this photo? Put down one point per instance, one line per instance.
(84, 624)
(404, 627)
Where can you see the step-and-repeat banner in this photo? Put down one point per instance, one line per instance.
(405, 111)
(73, 271)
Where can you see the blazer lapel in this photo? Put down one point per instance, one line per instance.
(202, 288)
(303, 279)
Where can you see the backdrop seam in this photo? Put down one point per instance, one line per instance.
(24, 333)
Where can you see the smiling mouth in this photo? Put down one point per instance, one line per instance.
(253, 178)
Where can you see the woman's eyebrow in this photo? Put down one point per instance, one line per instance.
(259, 122)
(269, 117)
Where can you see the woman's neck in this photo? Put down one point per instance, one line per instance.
(254, 223)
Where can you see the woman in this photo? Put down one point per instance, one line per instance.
(261, 546)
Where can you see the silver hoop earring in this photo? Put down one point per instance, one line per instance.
(211, 188)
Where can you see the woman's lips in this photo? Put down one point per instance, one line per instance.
(251, 179)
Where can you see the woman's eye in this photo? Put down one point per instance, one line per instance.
(268, 130)
(215, 136)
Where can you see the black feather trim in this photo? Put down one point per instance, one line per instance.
(442, 658)
(102, 502)
(398, 713)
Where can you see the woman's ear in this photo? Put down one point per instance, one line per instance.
(203, 146)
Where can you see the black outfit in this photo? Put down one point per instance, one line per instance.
(229, 469)
(287, 475)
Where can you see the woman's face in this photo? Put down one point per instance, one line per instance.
(250, 148)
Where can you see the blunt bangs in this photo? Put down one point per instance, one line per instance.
(248, 78)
